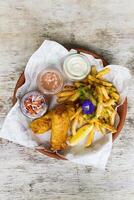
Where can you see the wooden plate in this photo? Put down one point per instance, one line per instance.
(122, 110)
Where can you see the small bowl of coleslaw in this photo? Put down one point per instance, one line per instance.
(33, 104)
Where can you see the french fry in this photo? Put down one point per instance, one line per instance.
(95, 94)
(115, 96)
(109, 127)
(79, 110)
(90, 138)
(88, 86)
(92, 99)
(113, 89)
(112, 118)
(62, 99)
(74, 125)
(109, 103)
(105, 83)
(104, 125)
(99, 109)
(65, 93)
(79, 84)
(100, 128)
(85, 81)
(93, 70)
(103, 72)
(109, 112)
(70, 110)
(97, 127)
(98, 81)
(81, 120)
(69, 87)
(99, 94)
(90, 82)
(104, 92)
(93, 120)
(110, 89)
(103, 130)
(92, 78)
(80, 134)
(74, 97)
(111, 108)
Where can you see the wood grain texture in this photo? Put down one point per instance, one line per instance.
(106, 27)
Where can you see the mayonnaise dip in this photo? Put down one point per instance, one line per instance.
(76, 66)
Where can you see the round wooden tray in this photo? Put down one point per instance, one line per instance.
(122, 110)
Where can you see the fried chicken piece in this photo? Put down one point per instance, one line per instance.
(60, 127)
(41, 124)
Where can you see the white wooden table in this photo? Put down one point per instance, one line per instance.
(106, 27)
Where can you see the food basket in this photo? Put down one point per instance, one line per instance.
(122, 109)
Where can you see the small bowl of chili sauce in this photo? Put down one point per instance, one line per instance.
(33, 104)
(50, 81)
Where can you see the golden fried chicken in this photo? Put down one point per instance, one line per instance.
(60, 126)
(42, 124)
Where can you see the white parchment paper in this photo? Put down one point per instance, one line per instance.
(15, 127)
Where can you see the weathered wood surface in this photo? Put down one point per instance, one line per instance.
(106, 27)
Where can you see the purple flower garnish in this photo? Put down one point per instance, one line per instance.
(87, 107)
